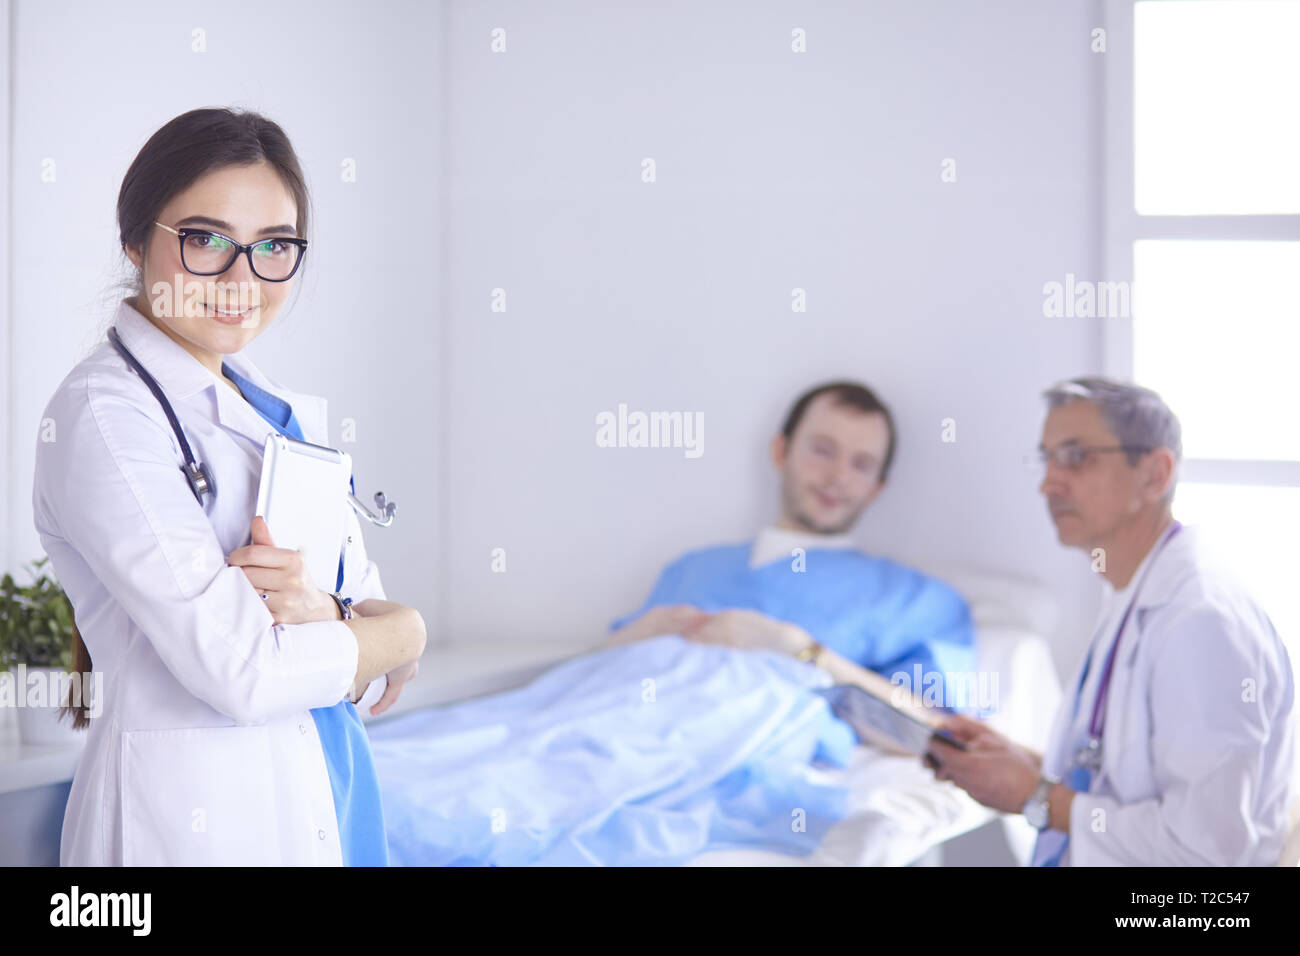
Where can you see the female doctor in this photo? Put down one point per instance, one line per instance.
(227, 731)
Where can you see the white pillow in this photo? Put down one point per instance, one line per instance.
(998, 600)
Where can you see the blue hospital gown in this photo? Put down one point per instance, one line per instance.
(880, 614)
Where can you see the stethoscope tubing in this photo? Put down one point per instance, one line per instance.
(197, 474)
(1097, 723)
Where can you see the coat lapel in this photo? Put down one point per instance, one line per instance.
(310, 410)
(184, 379)
(1168, 571)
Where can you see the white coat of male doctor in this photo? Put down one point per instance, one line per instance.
(205, 751)
(1196, 754)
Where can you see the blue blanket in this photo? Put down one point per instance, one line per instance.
(648, 753)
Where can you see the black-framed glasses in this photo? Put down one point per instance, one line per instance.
(208, 253)
(1073, 457)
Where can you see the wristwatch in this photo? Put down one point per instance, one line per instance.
(345, 605)
(1036, 808)
(811, 653)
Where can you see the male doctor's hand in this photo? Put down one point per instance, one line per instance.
(994, 770)
(281, 574)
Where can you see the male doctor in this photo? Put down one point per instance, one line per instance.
(1174, 744)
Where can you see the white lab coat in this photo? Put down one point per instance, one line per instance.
(205, 752)
(1198, 752)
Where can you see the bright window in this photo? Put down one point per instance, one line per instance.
(1203, 216)
(1217, 334)
(1217, 128)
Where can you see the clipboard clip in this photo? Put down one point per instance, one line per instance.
(386, 509)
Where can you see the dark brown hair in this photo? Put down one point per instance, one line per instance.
(174, 158)
(852, 394)
(80, 713)
(189, 147)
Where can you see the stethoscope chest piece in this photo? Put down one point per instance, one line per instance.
(1089, 755)
(200, 480)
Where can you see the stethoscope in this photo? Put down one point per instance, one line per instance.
(1088, 756)
(197, 474)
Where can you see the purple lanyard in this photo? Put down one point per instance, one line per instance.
(1098, 722)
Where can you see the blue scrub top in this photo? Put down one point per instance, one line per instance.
(353, 779)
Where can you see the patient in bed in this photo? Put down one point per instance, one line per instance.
(801, 587)
(671, 743)
(649, 754)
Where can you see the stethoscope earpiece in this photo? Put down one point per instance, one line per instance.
(386, 509)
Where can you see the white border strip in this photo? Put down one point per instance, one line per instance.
(7, 54)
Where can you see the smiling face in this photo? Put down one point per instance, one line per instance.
(830, 467)
(245, 203)
(1090, 503)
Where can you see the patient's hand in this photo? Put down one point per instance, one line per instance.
(752, 631)
(666, 619)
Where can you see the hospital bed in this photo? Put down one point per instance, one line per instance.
(897, 813)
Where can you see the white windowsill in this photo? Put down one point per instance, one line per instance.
(448, 672)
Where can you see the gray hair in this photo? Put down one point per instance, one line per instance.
(1137, 416)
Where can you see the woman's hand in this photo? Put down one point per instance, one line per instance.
(390, 639)
(280, 576)
(396, 678)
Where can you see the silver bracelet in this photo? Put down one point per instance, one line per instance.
(345, 605)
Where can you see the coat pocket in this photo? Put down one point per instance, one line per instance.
(200, 797)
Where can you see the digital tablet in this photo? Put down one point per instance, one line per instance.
(303, 495)
(872, 719)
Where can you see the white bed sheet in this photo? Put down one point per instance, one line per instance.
(898, 812)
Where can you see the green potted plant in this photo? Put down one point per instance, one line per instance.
(36, 629)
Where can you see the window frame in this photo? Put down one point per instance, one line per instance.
(1123, 226)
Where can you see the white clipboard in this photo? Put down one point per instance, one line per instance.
(303, 495)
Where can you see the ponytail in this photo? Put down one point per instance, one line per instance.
(81, 664)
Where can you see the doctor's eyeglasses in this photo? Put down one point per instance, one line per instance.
(1074, 457)
(207, 253)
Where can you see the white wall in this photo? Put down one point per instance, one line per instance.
(92, 81)
(521, 171)
(775, 171)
